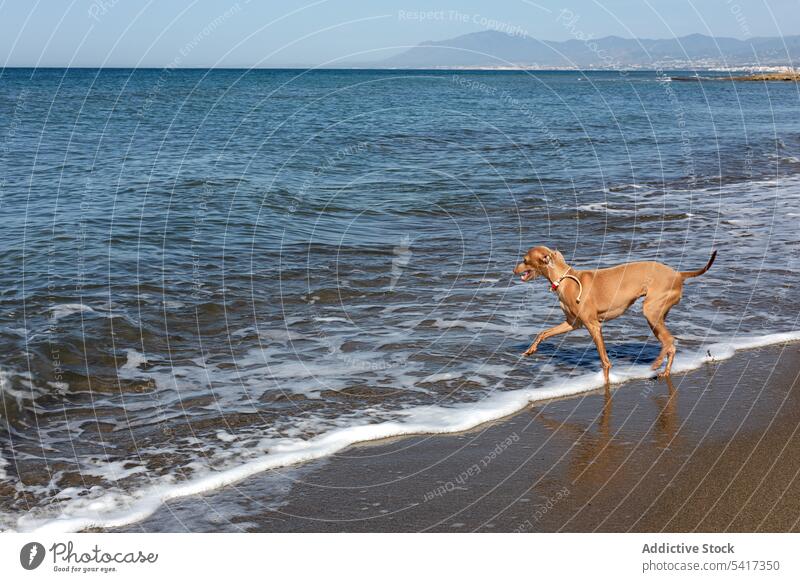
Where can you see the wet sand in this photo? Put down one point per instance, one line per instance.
(717, 449)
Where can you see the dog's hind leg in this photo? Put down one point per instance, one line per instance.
(656, 308)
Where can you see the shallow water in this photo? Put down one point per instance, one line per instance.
(208, 274)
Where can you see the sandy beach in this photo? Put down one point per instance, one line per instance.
(714, 450)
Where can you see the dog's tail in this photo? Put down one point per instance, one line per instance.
(690, 274)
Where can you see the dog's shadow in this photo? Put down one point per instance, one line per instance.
(586, 357)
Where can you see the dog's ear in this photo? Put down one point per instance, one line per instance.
(557, 254)
(545, 256)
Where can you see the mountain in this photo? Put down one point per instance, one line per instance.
(498, 49)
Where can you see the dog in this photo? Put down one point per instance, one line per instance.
(589, 298)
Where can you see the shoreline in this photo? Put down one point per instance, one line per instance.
(712, 450)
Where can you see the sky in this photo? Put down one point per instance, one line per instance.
(264, 33)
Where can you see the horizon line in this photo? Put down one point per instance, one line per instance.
(499, 69)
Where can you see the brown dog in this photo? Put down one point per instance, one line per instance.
(588, 298)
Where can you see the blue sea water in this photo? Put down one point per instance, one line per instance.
(207, 274)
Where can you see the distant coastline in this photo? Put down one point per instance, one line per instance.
(494, 49)
(781, 75)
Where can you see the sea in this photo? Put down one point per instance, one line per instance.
(211, 274)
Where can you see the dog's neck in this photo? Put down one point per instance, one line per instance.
(556, 270)
(559, 271)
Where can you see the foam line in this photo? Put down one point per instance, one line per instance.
(114, 509)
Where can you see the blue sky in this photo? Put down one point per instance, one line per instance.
(201, 33)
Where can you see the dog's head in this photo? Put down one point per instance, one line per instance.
(536, 262)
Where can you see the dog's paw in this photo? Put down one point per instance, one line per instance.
(529, 351)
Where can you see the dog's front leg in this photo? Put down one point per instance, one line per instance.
(597, 336)
(557, 330)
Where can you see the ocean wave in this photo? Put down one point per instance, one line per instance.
(116, 508)
(66, 309)
(6, 387)
(624, 187)
(63, 310)
(485, 326)
(602, 207)
(132, 366)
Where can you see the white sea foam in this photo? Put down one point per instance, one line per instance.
(130, 369)
(484, 326)
(225, 436)
(110, 508)
(67, 309)
(280, 335)
(603, 207)
(441, 377)
(621, 188)
(111, 470)
(6, 386)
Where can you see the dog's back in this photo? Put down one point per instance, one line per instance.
(633, 280)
